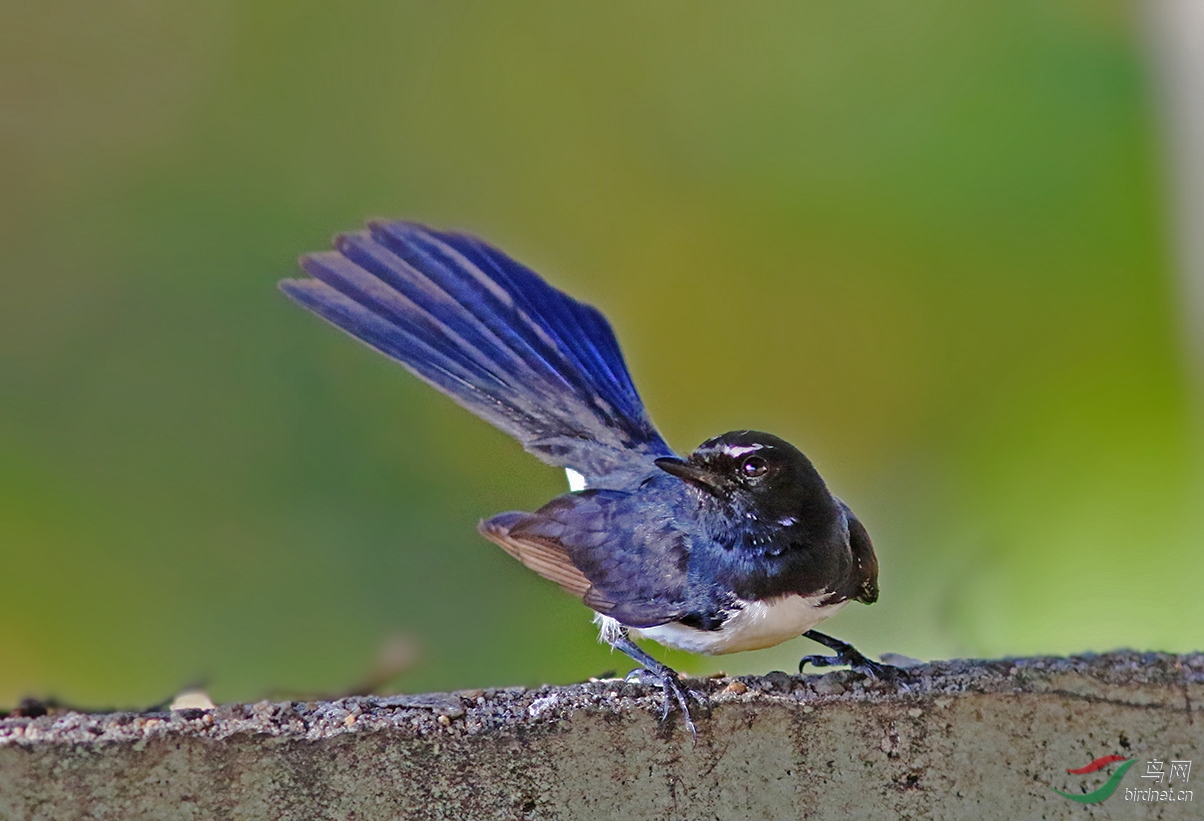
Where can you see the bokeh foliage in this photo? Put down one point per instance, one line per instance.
(924, 241)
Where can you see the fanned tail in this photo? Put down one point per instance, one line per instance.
(493, 336)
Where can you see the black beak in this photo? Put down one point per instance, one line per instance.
(707, 480)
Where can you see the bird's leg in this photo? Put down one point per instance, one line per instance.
(845, 654)
(663, 676)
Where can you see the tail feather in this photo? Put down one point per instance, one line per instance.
(443, 294)
(557, 326)
(420, 323)
(371, 328)
(492, 335)
(576, 331)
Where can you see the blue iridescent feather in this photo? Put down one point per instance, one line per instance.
(492, 335)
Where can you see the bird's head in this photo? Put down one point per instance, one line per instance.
(766, 475)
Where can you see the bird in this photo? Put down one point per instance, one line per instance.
(738, 545)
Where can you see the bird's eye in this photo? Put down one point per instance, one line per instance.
(754, 466)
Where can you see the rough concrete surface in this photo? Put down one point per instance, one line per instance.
(960, 739)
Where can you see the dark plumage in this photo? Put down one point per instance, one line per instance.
(739, 545)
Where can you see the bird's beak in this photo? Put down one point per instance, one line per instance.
(703, 478)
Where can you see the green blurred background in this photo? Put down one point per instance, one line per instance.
(927, 242)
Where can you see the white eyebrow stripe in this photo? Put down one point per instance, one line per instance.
(742, 449)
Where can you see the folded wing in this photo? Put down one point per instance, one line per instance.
(638, 576)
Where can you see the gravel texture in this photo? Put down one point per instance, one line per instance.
(958, 739)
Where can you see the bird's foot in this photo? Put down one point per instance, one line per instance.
(674, 692)
(660, 675)
(846, 655)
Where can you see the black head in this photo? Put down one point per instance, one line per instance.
(778, 527)
(759, 472)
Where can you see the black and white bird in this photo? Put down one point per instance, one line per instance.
(738, 546)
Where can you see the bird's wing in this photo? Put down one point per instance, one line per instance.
(637, 576)
(547, 559)
(492, 335)
(862, 584)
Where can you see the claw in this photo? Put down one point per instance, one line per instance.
(656, 674)
(673, 691)
(857, 663)
(847, 655)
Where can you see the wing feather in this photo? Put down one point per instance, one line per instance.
(548, 560)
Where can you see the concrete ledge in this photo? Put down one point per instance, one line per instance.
(960, 739)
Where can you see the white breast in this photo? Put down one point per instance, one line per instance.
(756, 625)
